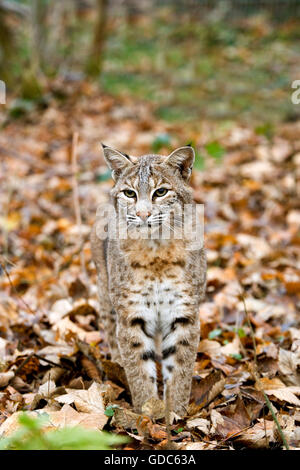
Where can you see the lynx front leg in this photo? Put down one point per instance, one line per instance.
(110, 327)
(179, 349)
(137, 347)
(108, 319)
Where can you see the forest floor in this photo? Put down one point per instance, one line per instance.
(53, 356)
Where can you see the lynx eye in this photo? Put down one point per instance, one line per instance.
(160, 192)
(129, 193)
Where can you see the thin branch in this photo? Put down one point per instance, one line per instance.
(251, 331)
(23, 363)
(76, 200)
(237, 320)
(49, 362)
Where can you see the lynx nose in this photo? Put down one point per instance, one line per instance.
(143, 214)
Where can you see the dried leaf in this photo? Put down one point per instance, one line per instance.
(209, 347)
(157, 432)
(285, 394)
(154, 408)
(288, 366)
(47, 389)
(231, 421)
(58, 310)
(67, 416)
(20, 385)
(207, 389)
(232, 348)
(54, 353)
(5, 378)
(67, 329)
(200, 423)
(279, 390)
(11, 424)
(53, 374)
(77, 289)
(77, 383)
(200, 446)
(115, 373)
(259, 435)
(87, 401)
(91, 369)
(216, 420)
(124, 418)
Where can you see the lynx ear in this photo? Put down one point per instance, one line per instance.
(115, 160)
(182, 159)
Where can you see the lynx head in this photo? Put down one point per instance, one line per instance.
(150, 190)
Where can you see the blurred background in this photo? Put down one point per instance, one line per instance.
(195, 59)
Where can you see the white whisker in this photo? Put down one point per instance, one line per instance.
(169, 226)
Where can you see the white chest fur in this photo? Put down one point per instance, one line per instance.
(159, 303)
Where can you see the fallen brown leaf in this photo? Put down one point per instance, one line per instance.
(205, 390)
(67, 416)
(154, 408)
(5, 378)
(87, 401)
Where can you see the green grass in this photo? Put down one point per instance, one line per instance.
(214, 70)
(192, 70)
(31, 436)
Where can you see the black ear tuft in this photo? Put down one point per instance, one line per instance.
(189, 144)
(127, 156)
(103, 145)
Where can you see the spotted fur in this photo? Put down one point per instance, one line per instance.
(150, 289)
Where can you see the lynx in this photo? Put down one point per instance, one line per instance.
(150, 285)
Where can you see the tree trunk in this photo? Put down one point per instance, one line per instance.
(39, 29)
(94, 64)
(32, 78)
(6, 48)
(7, 37)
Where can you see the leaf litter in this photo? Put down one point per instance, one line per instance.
(54, 358)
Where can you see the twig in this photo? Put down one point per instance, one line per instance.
(49, 362)
(223, 441)
(76, 200)
(237, 320)
(168, 411)
(251, 330)
(23, 363)
(256, 376)
(265, 428)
